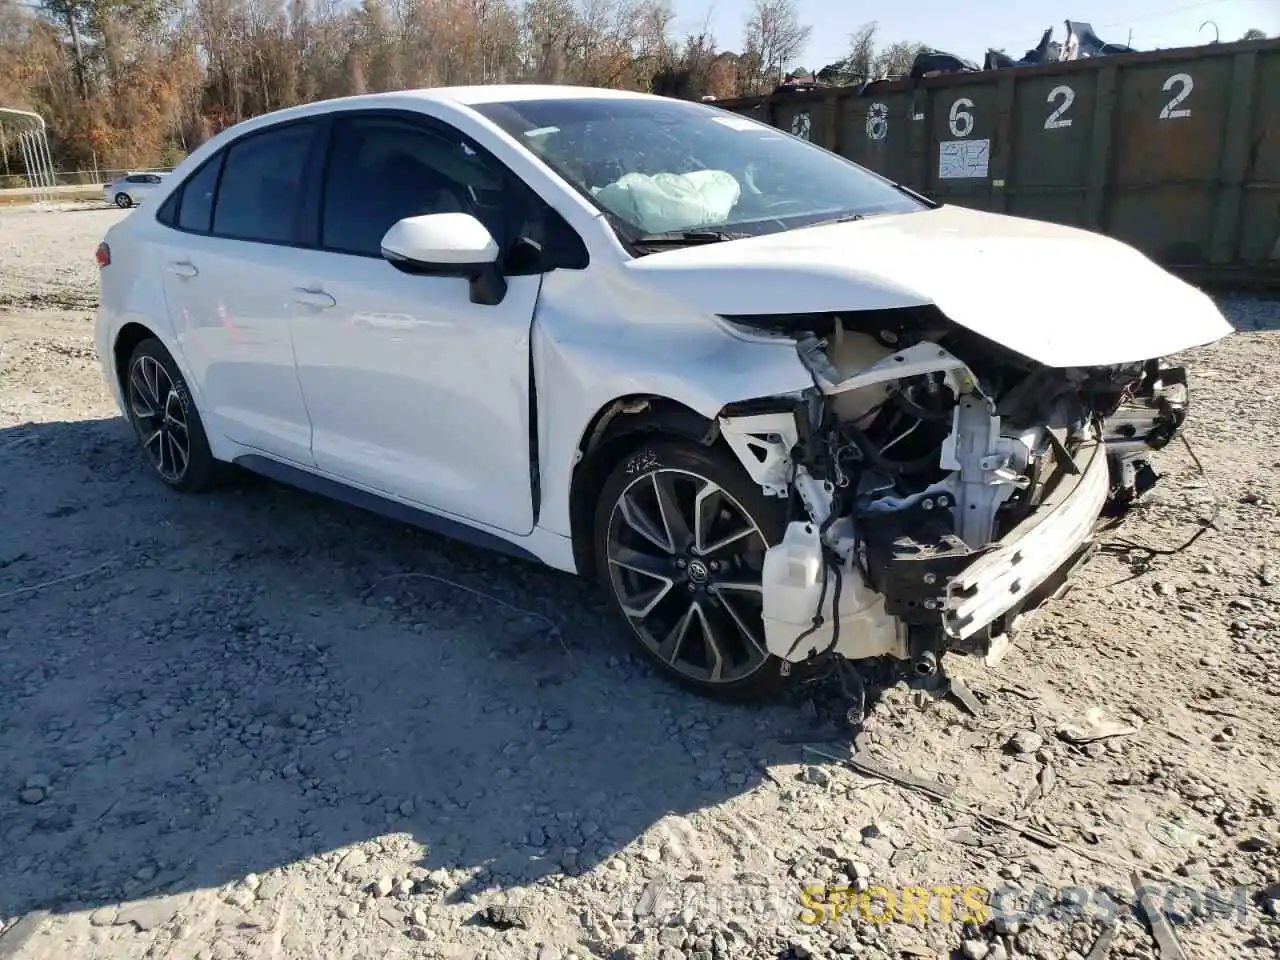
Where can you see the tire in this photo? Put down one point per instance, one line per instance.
(166, 421)
(124, 201)
(661, 584)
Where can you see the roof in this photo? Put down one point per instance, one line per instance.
(500, 93)
(491, 93)
(456, 96)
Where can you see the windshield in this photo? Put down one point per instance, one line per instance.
(668, 166)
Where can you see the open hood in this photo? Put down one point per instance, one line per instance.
(1058, 295)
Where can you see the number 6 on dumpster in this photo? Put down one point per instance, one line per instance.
(961, 120)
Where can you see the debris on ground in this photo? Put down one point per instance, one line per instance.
(1095, 727)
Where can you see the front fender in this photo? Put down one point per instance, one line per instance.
(584, 360)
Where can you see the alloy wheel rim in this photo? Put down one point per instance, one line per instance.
(685, 561)
(161, 420)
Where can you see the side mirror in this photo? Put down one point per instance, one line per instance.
(448, 245)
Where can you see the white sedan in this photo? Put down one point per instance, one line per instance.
(131, 189)
(787, 411)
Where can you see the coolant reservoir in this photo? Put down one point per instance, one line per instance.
(793, 575)
(793, 572)
(852, 353)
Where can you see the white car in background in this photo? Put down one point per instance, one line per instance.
(785, 410)
(131, 189)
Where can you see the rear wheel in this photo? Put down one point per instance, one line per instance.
(681, 532)
(124, 201)
(165, 420)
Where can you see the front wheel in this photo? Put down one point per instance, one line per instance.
(680, 537)
(124, 201)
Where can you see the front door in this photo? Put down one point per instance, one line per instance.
(412, 389)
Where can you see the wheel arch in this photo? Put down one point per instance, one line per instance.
(127, 339)
(131, 333)
(612, 434)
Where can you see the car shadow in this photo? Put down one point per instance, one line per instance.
(1255, 314)
(198, 688)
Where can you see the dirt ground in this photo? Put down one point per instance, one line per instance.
(257, 724)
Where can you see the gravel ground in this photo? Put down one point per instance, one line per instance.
(256, 724)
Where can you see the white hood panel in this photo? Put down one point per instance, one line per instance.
(1058, 295)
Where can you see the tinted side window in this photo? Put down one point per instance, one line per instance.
(168, 212)
(261, 185)
(195, 206)
(137, 178)
(383, 169)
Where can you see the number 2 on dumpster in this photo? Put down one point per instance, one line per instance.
(1185, 85)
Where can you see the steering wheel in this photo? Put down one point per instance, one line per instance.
(782, 203)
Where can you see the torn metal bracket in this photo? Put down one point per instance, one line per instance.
(811, 350)
(816, 494)
(763, 443)
(1069, 465)
(914, 361)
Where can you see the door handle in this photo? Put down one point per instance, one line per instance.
(183, 268)
(313, 298)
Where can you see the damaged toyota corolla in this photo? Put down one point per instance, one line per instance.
(786, 410)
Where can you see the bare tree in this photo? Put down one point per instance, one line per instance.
(861, 62)
(866, 62)
(773, 39)
(896, 59)
(141, 82)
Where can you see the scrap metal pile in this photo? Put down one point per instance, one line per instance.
(1081, 43)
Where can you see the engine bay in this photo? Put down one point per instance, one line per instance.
(939, 484)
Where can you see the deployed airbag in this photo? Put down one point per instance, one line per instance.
(672, 201)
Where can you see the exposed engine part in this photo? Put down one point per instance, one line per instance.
(925, 664)
(1148, 419)
(911, 555)
(989, 467)
(1132, 476)
(763, 443)
(1024, 559)
(849, 354)
(817, 497)
(939, 506)
(801, 594)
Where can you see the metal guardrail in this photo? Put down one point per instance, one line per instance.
(74, 179)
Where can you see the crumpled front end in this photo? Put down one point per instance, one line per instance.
(948, 485)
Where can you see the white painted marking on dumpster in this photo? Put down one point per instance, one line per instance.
(1171, 110)
(960, 119)
(963, 159)
(1056, 120)
(877, 121)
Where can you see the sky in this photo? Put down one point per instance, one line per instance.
(969, 28)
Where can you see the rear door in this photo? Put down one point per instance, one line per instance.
(229, 268)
